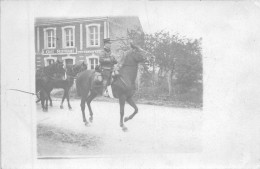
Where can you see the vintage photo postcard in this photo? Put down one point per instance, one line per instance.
(131, 84)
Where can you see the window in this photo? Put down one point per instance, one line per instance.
(49, 38)
(93, 62)
(69, 62)
(93, 35)
(50, 61)
(68, 36)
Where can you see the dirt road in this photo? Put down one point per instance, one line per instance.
(155, 129)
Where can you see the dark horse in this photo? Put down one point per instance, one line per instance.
(65, 84)
(46, 76)
(123, 87)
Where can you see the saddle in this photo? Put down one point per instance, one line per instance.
(102, 72)
(97, 77)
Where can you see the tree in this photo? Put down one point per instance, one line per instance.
(178, 61)
(177, 58)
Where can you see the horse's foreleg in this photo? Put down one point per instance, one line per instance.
(49, 97)
(122, 100)
(68, 99)
(46, 106)
(82, 105)
(63, 98)
(42, 98)
(89, 99)
(131, 103)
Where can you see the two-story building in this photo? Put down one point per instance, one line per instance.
(73, 40)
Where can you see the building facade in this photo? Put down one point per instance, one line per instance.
(74, 40)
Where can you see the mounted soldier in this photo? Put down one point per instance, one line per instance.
(107, 62)
(109, 66)
(122, 87)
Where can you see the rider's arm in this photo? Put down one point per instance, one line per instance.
(113, 59)
(103, 58)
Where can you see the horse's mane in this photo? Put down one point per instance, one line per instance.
(50, 71)
(73, 70)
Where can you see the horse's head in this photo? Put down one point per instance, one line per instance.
(54, 69)
(59, 67)
(75, 69)
(83, 66)
(141, 55)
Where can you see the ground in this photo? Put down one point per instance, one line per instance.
(61, 132)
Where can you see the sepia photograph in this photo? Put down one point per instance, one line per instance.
(131, 84)
(112, 62)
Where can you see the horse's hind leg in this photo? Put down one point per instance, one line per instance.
(82, 105)
(66, 95)
(122, 100)
(63, 98)
(46, 99)
(49, 97)
(43, 100)
(131, 103)
(89, 99)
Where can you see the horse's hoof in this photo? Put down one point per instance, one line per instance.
(70, 108)
(126, 119)
(61, 107)
(86, 123)
(51, 105)
(124, 129)
(91, 119)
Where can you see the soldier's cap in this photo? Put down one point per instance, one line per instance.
(107, 40)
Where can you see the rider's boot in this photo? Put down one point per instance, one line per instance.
(104, 89)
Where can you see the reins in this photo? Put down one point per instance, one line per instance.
(22, 91)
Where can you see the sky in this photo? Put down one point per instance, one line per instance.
(221, 24)
(191, 18)
(230, 30)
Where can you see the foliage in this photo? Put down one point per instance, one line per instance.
(177, 57)
(177, 68)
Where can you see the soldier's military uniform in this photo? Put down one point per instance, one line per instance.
(107, 62)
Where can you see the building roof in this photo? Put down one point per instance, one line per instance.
(120, 25)
(129, 22)
(57, 20)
